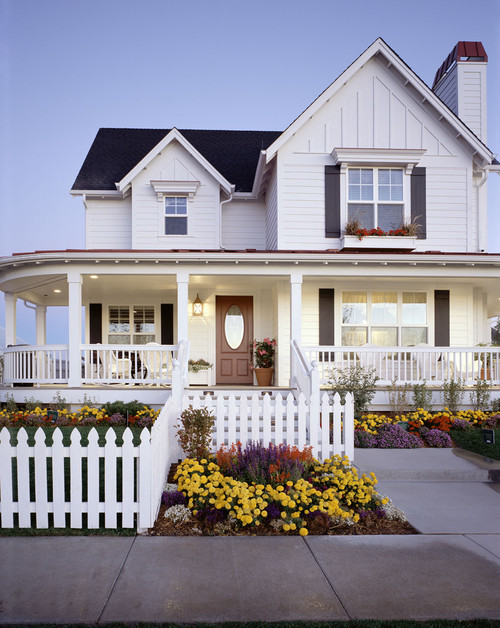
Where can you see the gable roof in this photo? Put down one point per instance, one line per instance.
(380, 47)
(115, 153)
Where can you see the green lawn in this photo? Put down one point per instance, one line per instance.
(472, 440)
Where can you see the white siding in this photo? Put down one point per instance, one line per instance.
(244, 225)
(272, 213)
(376, 110)
(108, 224)
(175, 164)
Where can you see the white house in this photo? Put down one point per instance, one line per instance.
(251, 227)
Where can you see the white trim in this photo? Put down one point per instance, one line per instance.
(377, 156)
(176, 188)
(176, 135)
(380, 47)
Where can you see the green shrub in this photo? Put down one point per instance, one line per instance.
(358, 380)
(120, 407)
(194, 432)
(481, 395)
(398, 397)
(422, 397)
(453, 393)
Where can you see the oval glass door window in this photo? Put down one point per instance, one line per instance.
(234, 327)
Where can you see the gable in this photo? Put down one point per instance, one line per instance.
(373, 110)
(115, 152)
(391, 63)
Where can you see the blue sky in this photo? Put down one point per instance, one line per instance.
(68, 67)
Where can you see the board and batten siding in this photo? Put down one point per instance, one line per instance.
(272, 213)
(244, 225)
(175, 164)
(375, 110)
(108, 224)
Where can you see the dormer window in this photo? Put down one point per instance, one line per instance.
(176, 220)
(375, 197)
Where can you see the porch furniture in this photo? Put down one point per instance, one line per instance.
(120, 366)
(156, 363)
(465, 366)
(427, 363)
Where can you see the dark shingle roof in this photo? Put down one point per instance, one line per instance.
(115, 152)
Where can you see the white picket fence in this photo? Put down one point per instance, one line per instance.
(67, 482)
(325, 425)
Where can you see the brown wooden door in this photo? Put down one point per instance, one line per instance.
(234, 333)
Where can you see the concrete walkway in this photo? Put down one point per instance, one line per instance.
(451, 570)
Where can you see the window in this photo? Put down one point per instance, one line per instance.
(375, 197)
(387, 319)
(175, 215)
(120, 331)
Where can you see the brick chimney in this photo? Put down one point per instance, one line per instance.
(460, 82)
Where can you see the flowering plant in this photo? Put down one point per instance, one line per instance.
(263, 352)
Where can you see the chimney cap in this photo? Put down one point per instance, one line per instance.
(463, 51)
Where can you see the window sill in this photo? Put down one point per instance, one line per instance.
(378, 242)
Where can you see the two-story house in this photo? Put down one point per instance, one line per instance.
(198, 241)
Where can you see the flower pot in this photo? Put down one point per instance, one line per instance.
(264, 376)
(378, 242)
(486, 373)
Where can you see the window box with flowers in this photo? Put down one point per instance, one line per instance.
(358, 237)
(262, 352)
(199, 372)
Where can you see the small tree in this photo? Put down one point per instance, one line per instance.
(398, 397)
(453, 393)
(481, 395)
(194, 432)
(422, 397)
(358, 380)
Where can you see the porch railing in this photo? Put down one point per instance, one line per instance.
(411, 364)
(100, 364)
(27, 364)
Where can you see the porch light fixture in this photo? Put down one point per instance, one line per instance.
(94, 276)
(197, 306)
(57, 290)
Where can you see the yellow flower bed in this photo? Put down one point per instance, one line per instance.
(371, 422)
(335, 490)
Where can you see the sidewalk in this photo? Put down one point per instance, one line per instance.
(442, 573)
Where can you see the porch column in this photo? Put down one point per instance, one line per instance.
(41, 324)
(182, 306)
(296, 307)
(10, 319)
(75, 329)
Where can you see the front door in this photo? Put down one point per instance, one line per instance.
(234, 335)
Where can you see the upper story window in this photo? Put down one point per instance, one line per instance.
(375, 197)
(176, 220)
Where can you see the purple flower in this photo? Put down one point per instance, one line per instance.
(391, 436)
(437, 438)
(173, 498)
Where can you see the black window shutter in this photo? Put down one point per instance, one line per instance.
(326, 319)
(95, 323)
(167, 324)
(419, 201)
(332, 201)
(442, 318)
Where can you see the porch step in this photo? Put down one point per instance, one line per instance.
(237, 391)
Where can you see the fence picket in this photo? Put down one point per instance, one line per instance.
(58, 491)
(220, 425)
(93, 508)
(23, 479)
(349, 426)
(302, 418)
(41, 497)
(6, 484)
(231, 419)
(144, 481)
(325, 427)
(110, 499)
(278, 419)
(75, 463)
(337, 442)
(128, 509)
(290, 420)
(266, 420)
(255, 418)
(243, 435)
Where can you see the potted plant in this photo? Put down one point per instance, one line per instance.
(263, 360)
(198, 370)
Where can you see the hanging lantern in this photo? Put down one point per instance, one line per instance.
(197, 306)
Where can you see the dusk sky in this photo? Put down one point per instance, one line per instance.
(68, 67)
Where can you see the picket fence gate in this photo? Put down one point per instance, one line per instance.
(324, 424)
(94, 480)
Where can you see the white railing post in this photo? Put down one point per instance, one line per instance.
(75, 329)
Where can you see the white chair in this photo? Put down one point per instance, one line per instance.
(465, 367)
(371, 359)
(156, 363)
(120, 366)
(426, 362)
